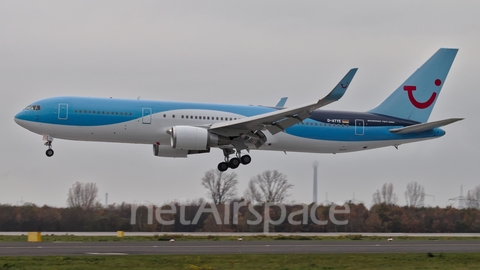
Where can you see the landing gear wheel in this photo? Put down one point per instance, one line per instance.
(222, 166)
(49, 152)
(234, 163)
(245, 159)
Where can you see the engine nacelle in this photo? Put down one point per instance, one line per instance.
(168, 151)
(195, 138)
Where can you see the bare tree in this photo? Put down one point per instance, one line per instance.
(473, 198)
(82, 195)
(386, 196)
(269, 186)
(252, 194)
(221, 186)
(415, 194)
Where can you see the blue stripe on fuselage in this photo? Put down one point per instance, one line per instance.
(119, 107)
(348, 133)
(322, 125)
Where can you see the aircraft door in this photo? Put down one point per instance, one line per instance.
(146, 115)
(359, 127)
(63, 111)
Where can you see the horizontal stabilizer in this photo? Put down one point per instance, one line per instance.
(424, 126)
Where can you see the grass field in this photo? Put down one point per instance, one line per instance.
(180, 237)
(240, 261)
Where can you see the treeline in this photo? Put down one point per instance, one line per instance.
(248, 218)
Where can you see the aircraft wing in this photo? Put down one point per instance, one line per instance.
(280, 119)
(424, 126)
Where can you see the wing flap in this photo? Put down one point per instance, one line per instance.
(424, 126)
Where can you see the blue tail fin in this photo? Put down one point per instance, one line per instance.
(415, 98)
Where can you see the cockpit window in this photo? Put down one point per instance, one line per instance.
(32, 108)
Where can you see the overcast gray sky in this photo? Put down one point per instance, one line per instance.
(241, 52)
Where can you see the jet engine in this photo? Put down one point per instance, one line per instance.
(195, 138)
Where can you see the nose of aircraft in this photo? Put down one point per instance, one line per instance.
(18, 117)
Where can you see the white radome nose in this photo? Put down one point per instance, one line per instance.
(18, 119)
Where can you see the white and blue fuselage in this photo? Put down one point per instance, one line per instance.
(178, 129)
(147, 122)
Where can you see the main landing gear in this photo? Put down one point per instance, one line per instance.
(234, 162)
(48, 142)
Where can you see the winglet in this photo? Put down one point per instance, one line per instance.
(341, 87)
(281, 102)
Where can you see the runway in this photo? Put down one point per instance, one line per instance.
(243, 234)
(234, 247)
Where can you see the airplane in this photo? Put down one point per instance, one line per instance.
(180, 129)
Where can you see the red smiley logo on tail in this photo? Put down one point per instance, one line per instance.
(417, 104)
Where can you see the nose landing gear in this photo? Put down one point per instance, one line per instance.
(48, 143)
(49, 152)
